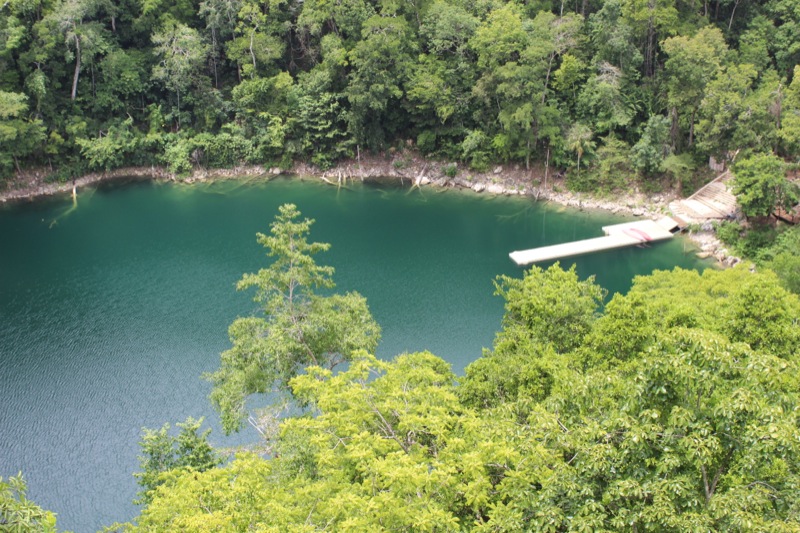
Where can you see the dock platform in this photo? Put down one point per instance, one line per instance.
(617, 236)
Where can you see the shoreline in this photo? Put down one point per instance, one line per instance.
(501, 180)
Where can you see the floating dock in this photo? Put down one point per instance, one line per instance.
(617, 236)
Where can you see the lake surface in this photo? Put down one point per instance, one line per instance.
(110, 310)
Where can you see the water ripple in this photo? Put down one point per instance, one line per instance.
(108, 318)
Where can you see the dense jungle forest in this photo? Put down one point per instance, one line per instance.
(629, 88)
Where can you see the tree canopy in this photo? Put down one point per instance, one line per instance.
(672, 409)
(88, 85)
(299, 327)
(18, 513)
(761, 185)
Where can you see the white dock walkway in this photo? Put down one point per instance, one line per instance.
(617, 236)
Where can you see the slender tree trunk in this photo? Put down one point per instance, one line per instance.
(528, 156)
(778, 112)
(651, 36)
(77, 67)
(546, 165)
(216, 77)
(691, 127)
(416, 14)
(730, 22)
(252, 53)
(547, 77)
(214, 46)
(675, 130)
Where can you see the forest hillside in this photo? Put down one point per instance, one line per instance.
(626, 88)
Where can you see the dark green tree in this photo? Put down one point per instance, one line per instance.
(691, 65)
(381, 64)
(653, 148)
(181, 53)
(760, 185)
(19, 136)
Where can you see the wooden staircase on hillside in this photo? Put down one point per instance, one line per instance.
(714, 201)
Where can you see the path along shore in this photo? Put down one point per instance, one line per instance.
(500, 180)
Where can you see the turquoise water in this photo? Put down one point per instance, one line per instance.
(111, 310)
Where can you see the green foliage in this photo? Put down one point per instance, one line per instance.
(19, 137)
(682, 169)
(760, 185)
(320, 119)
(177, 153)
(488, 384)
(552, 306)
(547, 312)
(789, 132)
(763, 315)
(602, 103)
(124, 78)
(450, 170)
(381, 63)
(299, 327)
(475, 149)
(579, 140)
(727, 111)
(447, 28)
(755, 240)
(787, 241)
(18, 513)
(729, 232)
(181, 52)
(675, 410)
(162, 453)
(787, 267)
(612, 169)
(117, 147)
(733, 302)
(224, 150)
(653, 148)
(781, 257)
(693, 63)
(319, 80)
(387, 437)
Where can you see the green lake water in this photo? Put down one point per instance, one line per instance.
(111, 310)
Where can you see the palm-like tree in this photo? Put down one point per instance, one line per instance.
(579, 140)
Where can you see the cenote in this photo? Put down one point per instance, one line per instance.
(112, 309)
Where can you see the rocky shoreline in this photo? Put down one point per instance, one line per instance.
(510, 180)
